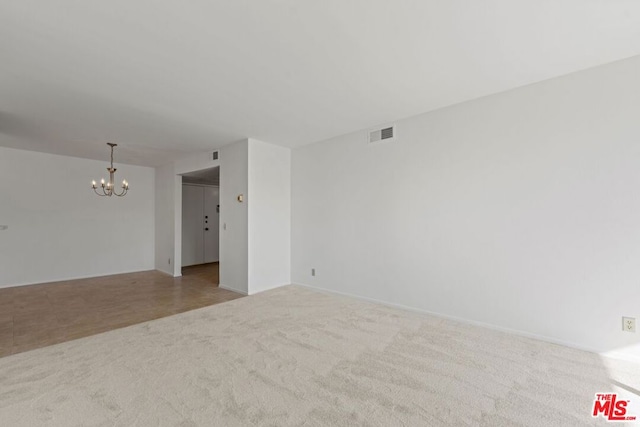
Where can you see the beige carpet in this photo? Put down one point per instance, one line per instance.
(292, 356)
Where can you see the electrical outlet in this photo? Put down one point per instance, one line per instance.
(313, 271)
(629, 324)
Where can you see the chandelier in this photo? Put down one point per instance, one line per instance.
(107, 188)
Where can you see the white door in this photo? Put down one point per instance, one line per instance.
(211, 226)
(192, 225)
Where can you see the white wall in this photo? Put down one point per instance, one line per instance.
(269, 214)
(165, 218)
(519, 210)
(234, 217)
(59, 229)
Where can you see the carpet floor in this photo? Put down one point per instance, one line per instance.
(292, 356)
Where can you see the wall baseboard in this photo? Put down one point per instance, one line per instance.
(270, 287)
(570, 344)
(166, 273)
(64, 279)
(229, 288)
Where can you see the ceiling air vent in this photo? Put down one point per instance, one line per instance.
(215, 155)
(385, 134)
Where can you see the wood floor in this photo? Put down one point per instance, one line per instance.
(40, 315)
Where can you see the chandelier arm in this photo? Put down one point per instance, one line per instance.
(96, 191)
(125, 190)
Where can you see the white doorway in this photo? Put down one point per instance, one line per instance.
(201, 217)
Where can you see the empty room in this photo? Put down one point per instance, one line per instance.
(329, 213)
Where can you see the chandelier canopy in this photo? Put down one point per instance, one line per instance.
(108, 188)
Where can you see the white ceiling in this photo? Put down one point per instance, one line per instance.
(163, 78)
